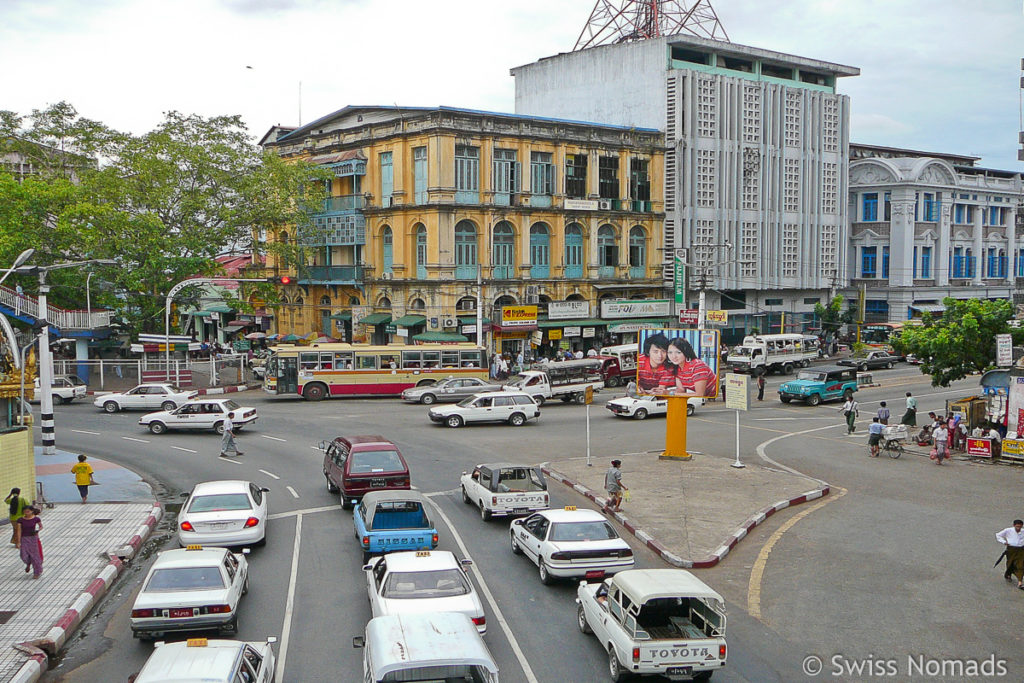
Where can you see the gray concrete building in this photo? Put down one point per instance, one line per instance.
(757, 147)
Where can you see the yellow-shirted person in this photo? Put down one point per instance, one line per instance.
(83, 477)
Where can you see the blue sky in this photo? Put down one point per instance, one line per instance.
(937, 75)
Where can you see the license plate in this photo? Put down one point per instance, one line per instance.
(378, 483)
(181, 613)
(219, 525)
(594, 574)
(520, 510)
(679, 671)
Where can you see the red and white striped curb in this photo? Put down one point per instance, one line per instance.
(202, 392)
(714, 558)
(51, 643)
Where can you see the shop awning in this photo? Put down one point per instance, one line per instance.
(410, 320)
(513, 328)
(439, 337)
(583, 322)
(376, 319)
(241, 323)
(232, 328)
(220, 308)
(601, 287)
(929, 308)
(344, 315)
(200, 314)
(471, 320)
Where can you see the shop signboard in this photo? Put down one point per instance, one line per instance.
(717, 317)
(518, 316)
(580, 205)
(636, 308)
(678, 362)
(679, 277)
(979, 448)
(1012, 447)
(554, 334)
(242, 345)
(571, 331)
(1015, 409)
(689, 317)
(1004, 350)
(567, 310)
(619, 328)
(589, 332)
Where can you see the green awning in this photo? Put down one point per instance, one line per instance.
(584, 322)
(471, 320)
(439, 337)
(410, 320)
(200, 314)
(376, 319)
(346, 315)
(220, 308)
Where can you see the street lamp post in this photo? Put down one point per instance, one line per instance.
(22, 257)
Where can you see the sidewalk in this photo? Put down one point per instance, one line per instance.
(85, 548)
(691, 513)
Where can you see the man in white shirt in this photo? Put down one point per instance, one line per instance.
(1013, 539)
(228, 440)
(941, 436)
(579, 354)
(849, 410)
(591, 352)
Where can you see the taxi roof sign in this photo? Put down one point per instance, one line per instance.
(194, 546)
(422, 553)
(570, 508)
(196, 642)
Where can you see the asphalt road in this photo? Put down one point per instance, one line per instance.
(895, 567)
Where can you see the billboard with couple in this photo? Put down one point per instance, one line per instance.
(678, 363)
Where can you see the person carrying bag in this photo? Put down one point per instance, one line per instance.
(850, 410)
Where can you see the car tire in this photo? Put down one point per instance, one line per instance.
(615, 670)
(59, 400)
(168, 406)
(787, 369)
(513, 544)
(485, 514)
(640, 414)
(848, 394)
(863, 367)
(544, 574)
(428, 399)
(219, 428)
(345, 505)
(703, 676)
(111, 407)
(539, 400)
(580, 398)
(157, 427)
(465, 496)
(888, 366)
(454, 421)
(517, 419)
(331, 488)
(581, 621)
(690, 410)
(314, 392)
(814, 399)
(785, 399)
(613, 382)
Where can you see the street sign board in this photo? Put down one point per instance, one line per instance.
(588, 395)
(1004, 350)
(717, 317)
(979, 448)
(689, 317)
(679, 276)
(737, 391)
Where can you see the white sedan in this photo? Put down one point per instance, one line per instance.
(145, 397)
(422, 582)
(642, 407)
(208, 413)
(513, 407)
(570, 543)
(199, 659)
(230, 513)
(192, 589)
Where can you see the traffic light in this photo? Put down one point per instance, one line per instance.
(281, 280)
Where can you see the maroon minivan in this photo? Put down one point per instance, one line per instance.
(356, 465)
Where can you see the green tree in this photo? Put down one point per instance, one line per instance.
(960, 342)
(832, 315)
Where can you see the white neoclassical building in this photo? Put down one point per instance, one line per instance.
(926, 226)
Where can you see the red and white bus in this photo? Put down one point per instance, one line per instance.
(320, 371)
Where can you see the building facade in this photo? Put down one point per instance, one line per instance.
(927, 226)
(757, 147)
(431, 208)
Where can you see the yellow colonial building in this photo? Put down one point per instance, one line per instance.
(431, 208)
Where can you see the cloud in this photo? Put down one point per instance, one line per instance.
(868, 126)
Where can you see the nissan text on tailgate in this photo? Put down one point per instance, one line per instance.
(503, 489)
(386, 521)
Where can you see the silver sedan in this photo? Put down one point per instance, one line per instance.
(448, 390)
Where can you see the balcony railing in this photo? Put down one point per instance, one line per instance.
(331, 275)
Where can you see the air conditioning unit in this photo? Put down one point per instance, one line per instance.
(387, 276)
(449, 321)
(604, 204)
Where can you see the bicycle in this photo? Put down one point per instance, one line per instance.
(893, 448)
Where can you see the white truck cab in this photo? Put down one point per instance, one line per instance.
(503, 489)
(760, 354)
(655, 622)
(567, 380)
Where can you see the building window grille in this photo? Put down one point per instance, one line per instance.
(791, 185)
(542, 179)
(829, 187)
(608, 177)
(752, 114)
(419, 174)
(707, 178)
(506, 176)
(868, 259)
(467, 174)
(869, 207)
(790, 250)
(794, 102)
(707, 107)
(576, 176)
(387, 178)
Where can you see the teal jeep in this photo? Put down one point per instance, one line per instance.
(823, 383)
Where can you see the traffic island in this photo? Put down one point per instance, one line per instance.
(691, 514)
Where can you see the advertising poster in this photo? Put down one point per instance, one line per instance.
(675, 362)
(979, 448)
(1015, 412)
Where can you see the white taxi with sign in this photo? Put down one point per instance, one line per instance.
(206, 413)
(423, 582)
(641, 407)
(199, 660)
(191, 589)
(570, 543)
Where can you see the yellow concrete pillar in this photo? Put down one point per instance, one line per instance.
(675, 429)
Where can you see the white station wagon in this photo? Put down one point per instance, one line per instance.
(200, 414)
(513, 407)
(145, 397)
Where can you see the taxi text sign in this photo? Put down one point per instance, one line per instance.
(737, 391)
(518, 316)
(979, 448)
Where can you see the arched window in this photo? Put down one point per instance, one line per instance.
(299, 303)
(504, 251)
(607, 250)
(387, 256)
(575, 297)
(573, 251)
(353, 301)
(325, 301)
(504, 300)
(417, 305)
(421, 252)
(540, 251)
(637, 252)
(465, 251)
(1002, 263)
(384, 302)
(466, 303)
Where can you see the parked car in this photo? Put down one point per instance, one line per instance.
(230, 513)
(355, 465)
(448, 390)
(503, 489)
(145, 397)
(567, 380)
(872, 361)
(191, 589)
(642, 407)
(388, 521)
(207, 413)
(423, 582)
(64, 388)
(822, 383)
(513, 407)
(570, 543)
(199, 660)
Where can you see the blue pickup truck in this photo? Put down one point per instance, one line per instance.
(386, 521)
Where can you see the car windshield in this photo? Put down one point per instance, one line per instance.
(220, 502)
(364, 462)
(518, 479)
(186, 579)
(516, 381)
(444, 383)
(231, 405)
(443, 583)
(811, 376)
(740, 351)
(582, 531)
(467, 402)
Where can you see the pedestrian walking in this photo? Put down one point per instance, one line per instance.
(83, 477)
(1013, 539)
(883, 414)
(941, 436)
(26, 540)
(17, 301)
(849, 410)
(910, 417)
(760, 387)
(874, 436)
(227, 442)
(614, 486)
(16, 505)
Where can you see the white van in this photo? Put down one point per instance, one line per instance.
(420, 647)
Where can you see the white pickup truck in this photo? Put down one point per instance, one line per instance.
(655, 622)
(503, 489)
(567, 380)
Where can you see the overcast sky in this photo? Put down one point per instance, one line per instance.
(940, 75)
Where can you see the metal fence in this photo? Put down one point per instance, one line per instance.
(120, 374)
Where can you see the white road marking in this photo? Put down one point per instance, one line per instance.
(187, 450)
(82, 431)
(272, 438)
(230, 460)
(290, 604)
(128, 438)
(292, 491)
(270, 474)
(307, 511)
(316, 448)
(780, 419)
(527, 671)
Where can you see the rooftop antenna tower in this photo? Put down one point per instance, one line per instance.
(622, 21)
